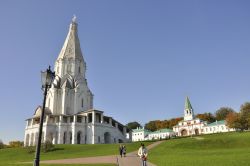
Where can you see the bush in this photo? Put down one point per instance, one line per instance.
(30, 149)
(47, 146)
(1, 144)
(14, 144)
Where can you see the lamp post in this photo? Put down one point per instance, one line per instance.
(47, 79)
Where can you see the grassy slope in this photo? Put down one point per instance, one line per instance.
(12, 156)
(229, 149)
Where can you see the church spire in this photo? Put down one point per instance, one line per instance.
(188, 104)
(71, 47)
(188, 111)
(70, 59)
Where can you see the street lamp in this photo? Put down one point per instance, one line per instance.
(47, 79)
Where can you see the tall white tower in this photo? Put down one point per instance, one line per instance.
(188, 111)
(69, 93)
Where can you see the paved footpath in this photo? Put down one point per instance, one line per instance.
(131, 160)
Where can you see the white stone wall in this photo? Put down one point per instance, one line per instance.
(201, 127)
(162, 135)
(217, 129)
(192, 127)
(138, 136)
(73, 132)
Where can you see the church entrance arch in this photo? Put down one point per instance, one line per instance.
(79, 137)
(184, 132)
(107, 138)
(196, 131)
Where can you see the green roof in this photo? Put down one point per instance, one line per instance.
(221, 122)
(141, 130)
(162, 131)
(188, 105)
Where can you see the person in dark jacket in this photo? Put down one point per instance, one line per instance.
(121, 150)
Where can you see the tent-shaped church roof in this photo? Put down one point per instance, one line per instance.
(188, 105)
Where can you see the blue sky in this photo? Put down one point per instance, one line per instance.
(143, 57)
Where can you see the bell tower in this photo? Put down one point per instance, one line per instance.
(188, 111)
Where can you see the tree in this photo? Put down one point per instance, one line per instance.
(151, 126)
(14, 144)
(233, 120)
(245, 115)
(240, 120)
(222, 113)
(133, 125)
(158, 124)
(1, 144)
(207, 116)
(174, 121)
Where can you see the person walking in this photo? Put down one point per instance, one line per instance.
(124, 150)
(121, 150)
(143, 154)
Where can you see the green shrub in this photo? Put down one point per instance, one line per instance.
(15, 144)
(30, 149)
(1, 144)
(47, 146)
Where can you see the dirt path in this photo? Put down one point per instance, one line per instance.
(131, 160)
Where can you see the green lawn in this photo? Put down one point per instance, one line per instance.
(14, 156)
(228, 149)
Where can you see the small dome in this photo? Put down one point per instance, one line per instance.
(38, 111)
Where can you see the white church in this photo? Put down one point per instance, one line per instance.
(69, 115)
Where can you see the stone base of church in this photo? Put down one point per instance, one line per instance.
(76, 133)
(87, 127)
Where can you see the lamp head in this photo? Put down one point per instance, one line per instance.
(47, 78)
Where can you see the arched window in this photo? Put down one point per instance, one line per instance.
(64, 137)
(70, 137)
(79, 135)
(99, 139)
(82, 103)
(79, 69)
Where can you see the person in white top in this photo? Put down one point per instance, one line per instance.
(143, 154)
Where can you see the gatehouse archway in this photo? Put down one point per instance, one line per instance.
(196, 131)
(184, 132)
